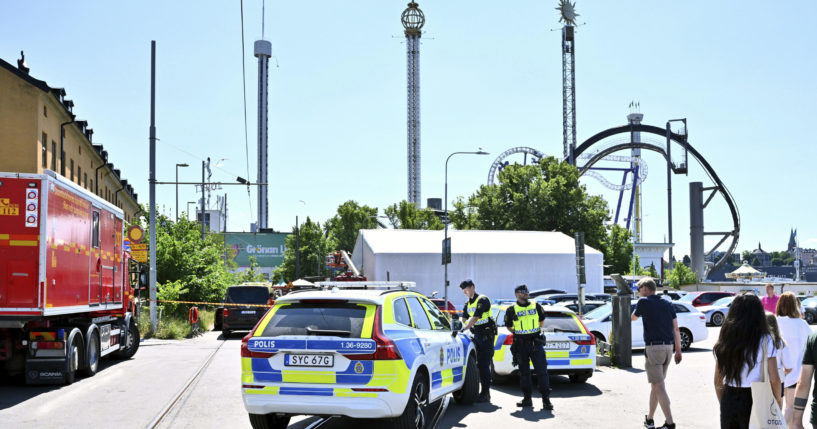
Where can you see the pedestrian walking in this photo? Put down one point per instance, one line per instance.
(477, 315)
(661, 334)
(770, 300)
(795, 332)
(738, 360)
(526, 320)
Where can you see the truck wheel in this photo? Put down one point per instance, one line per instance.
(217, 321)
(268, 421)
(414, 415)
(91, 363)
(470, 386)
(72, 359)
(127, 350)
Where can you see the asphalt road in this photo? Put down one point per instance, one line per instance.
(131, 394)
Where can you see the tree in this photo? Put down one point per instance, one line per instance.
(351, 218)
(755, 262)
(542, 197)
(687, 261)
(314, 247)
(679, 275)
(746, 256)
(187, 267)
(251, 274)
(406, 215)
(651, 271)
(617, 249)
(639, 270)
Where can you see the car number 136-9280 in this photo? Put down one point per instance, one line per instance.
(309, 360)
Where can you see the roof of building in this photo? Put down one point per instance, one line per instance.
(470, 241)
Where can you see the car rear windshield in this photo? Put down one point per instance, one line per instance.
(329, 319)
(247, 295)
(561, 322)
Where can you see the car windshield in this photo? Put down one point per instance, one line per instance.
(599, 313)
(247, 295)
(688, 297)
(337, 319)
(724, 301)
(810, 302)
(560, 322)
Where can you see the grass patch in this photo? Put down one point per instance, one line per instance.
(174, 327)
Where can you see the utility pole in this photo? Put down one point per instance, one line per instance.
(202, 200)
(297, 250)
(152, 246)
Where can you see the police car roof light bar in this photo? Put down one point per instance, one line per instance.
(366, 285)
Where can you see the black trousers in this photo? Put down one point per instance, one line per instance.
(484, 343)
(527, 351)
(736, 407)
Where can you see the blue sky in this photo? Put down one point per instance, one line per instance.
(742, 73)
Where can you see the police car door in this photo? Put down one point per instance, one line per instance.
(452, 358)
(430, 339)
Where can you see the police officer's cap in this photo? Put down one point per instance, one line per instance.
(521, 288)
(466, 283)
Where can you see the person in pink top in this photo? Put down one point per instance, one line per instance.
(770, 300)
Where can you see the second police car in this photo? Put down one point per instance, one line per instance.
(570, 348)
(362, 350)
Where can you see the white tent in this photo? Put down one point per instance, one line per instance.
(496, 261)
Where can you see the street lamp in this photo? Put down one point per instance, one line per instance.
(447, 249)
(188, 208)
(177, 189)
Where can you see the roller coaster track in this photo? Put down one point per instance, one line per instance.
(718, 187)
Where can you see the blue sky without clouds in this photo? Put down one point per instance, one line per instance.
(743, 73)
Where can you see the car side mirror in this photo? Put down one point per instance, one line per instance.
(456, 325)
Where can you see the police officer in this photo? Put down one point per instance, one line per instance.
(525, 320)
(477, 316)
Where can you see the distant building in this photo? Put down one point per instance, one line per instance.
(32, 116)
(762, 256)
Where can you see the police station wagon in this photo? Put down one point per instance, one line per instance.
(570, 348)
(356, 349)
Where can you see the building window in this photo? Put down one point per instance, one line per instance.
(79, 175)
(53, 155)
(45, 111)
(80, 150)
(45, 150)
(85, 180)
(92, 185)
(72, 169)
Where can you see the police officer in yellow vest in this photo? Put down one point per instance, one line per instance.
(477, 315)
(525, 319)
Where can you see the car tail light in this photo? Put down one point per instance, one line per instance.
(47, 345)
(702, 317)
(225, 312)
(508, 340)
(386, 348)
(245, 348)
(591, 341)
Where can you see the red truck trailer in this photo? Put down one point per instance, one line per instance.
(66, 294)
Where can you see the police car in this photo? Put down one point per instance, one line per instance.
(570, 347)
(356, 349)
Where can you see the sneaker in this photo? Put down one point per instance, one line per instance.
(525, 403)
(667, 426)
(546, 404)
(484, 397)
(649, 423)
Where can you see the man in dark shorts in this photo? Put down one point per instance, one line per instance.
(477, 315)
(804, 384)
(660, 335)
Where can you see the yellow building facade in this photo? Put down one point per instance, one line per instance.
(32, 117)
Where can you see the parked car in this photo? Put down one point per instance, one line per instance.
(541, 292)
(716, 313)
(691, 322)
(675, 294)
(450, 311)
(238, 317)
(810, 310)
(588, 305)
(562, 297)
(698, 299)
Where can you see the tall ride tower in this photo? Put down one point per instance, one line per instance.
(263, 51)
(635, 118)
(413, 21)
(568, 12)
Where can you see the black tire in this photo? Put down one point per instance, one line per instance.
(415, 415)
(268, 421)
(717, 318)
(809, 318)
(578, 378)
(91, 356)
(470, 386)
(686, 339)
(217, 320)
(72, 359)
(127, 350)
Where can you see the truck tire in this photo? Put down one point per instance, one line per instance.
(217, 320)
(91, 356)
(268, 421)
(415, 414)
(470, 386)
(131, 345)
(72, 358)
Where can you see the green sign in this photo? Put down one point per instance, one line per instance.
(267, 248)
